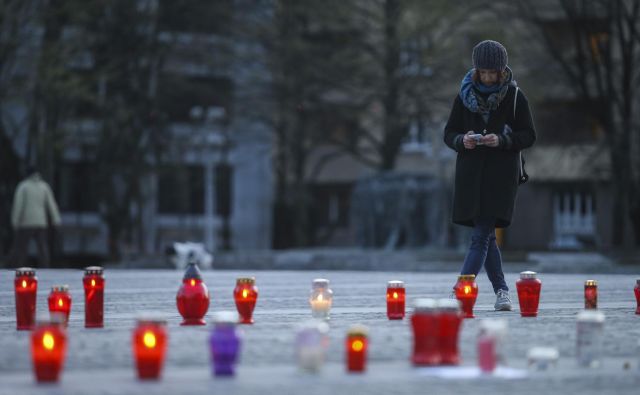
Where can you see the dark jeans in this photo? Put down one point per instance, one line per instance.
(21, 245)
(484, 251)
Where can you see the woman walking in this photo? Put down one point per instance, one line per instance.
(488, 133)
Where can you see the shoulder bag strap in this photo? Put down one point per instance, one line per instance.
(515, 100)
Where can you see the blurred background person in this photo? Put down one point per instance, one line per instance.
(34, 209)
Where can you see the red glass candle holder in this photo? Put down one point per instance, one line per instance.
(356, 345)
(149, 347)
(60, 302)
(245, 294)
(48, 349)
(26, 289)
(487, 358)
(395, 300)
(426, 328)
(636, 290)
(193, 297)
(528, 287)
(450, 321)
(93, 282)
(590, 294)
(466, 290)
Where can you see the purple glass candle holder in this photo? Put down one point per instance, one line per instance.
(225, 343)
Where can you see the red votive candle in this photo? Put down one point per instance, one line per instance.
(149, 347)
(60, 302)
(245, 295)
(93, 282)
(426, 329)
(193, 296)
(590, 294)
(48, 348)
(528, 287)
(395, 300)
(466, 291)
(450, 320)
(356, 345)
(26, 289)
(636, 290)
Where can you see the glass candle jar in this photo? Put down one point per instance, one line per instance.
(245, 295)
(224, 343)
(542, 358)
(487, 359)
(93, 283)
(491, 344)
(60, 301)
(466, 291)
(590, 294)
(395, 300)
(589, 339)
(425, 322)
(321, 298)
(356, 346)
(528, 287)
(193, 296)
(48, 349)
(636, 291)
(311, 345)
(149, 347)
(26, 289)
(450, 320)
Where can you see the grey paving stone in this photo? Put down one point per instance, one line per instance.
(100, 361)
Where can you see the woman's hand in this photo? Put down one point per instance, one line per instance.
(491, 140)
(469, 143)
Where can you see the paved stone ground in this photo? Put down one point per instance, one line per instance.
(100, 362)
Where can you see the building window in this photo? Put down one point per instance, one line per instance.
(565, 122)
(417, 139)
(181, 190)
(76, 192)
(574, 218)
(332, 204)
(186, 99)
(196, 16)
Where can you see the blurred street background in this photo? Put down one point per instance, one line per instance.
(254, 126)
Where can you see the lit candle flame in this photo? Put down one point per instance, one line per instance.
(47, 341)
(193, 282)
(149, 339)
(60, 302)
(395, 295)
(24, 283)
(357, 345)
(245, 293)
(320, 298)
(93, 282)
(467, 289)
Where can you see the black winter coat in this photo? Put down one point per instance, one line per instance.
(486, 181)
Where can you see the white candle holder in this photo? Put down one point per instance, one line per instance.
(320, 299)
(311, 345)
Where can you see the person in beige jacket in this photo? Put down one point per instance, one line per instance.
(32, 201)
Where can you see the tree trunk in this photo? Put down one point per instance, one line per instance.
(393, 132)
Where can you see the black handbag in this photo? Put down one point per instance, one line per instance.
(522, 175)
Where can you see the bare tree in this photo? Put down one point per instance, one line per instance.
(16, 19)
(347, 65)
(603, 68)
(126, 52)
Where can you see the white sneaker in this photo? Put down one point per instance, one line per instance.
(503, 301)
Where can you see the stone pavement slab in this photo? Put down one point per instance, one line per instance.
(99, 361)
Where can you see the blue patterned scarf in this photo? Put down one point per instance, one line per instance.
(474, 94)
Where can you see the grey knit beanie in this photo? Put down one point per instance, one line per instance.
(489, 55)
